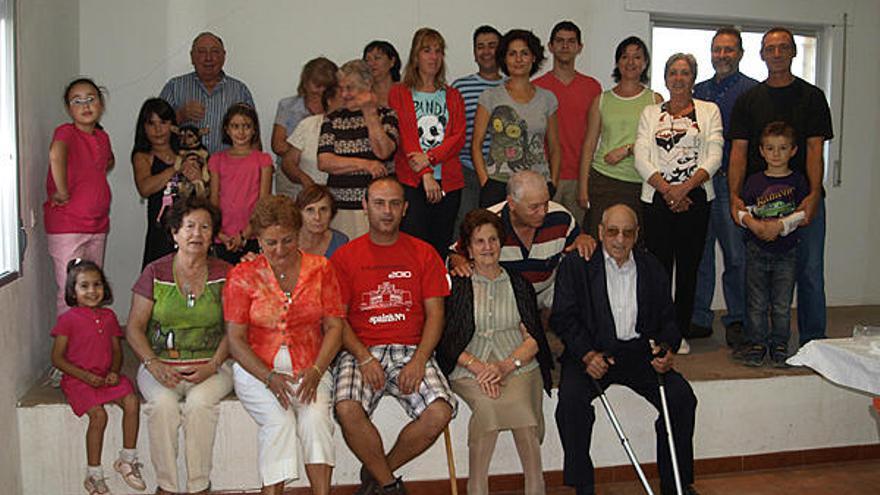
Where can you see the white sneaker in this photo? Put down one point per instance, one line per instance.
(131, 474)
(96, 486)
(684, 348)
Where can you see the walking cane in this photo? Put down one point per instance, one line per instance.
(622, 436)
(450, 461)
(661, 379)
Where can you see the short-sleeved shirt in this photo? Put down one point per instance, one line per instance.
(724, 93)
(253, 297)
(89, 332)
(239, 186)
(800, 104)
(537, 264)
(432, 117)
(88, 211)
(385, 287)
(774, 197)
(344, 133)
(574, 100)
(471, 87)
(183, 330)
(228, 91)
(305, 138)
(518, 131)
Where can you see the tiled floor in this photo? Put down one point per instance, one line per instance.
(853, 478)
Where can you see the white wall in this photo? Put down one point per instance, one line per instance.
(48, 34)
(133, 47)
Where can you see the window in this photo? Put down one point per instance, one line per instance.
(10, 261)
(668, 38)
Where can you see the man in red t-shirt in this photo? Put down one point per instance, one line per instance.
(393, 285)
(574, 92)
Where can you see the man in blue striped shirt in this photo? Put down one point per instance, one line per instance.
(203, 96)
(486, 40)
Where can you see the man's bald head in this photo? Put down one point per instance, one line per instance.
(618, 231)
(620, 209)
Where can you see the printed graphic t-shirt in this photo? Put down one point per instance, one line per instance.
(385, 287)
(432, 117)
(775, 197)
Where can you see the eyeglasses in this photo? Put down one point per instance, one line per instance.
(82, 101)
(614, 232)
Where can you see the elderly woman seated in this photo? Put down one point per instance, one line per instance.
(355, 145)
(284, 320)
(318, 209)
(496, 355)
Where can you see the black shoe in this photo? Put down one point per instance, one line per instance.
(754, 355)
(734, 334)
(778, 355)
(369, 486)
(688, 490)
(395, 488)
(698, 331)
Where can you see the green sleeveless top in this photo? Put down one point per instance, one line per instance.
(620, 123)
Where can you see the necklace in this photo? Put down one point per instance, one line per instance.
(186, 281)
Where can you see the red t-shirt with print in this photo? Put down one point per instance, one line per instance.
(385, 287)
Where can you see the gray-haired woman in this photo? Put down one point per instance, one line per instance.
(678, 149)
(357, 141)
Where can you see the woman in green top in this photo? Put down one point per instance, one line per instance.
(175, 326)
(607, 175)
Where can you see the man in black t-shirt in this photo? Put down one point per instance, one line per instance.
(783, 96)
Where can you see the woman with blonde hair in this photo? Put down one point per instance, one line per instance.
(432, 133)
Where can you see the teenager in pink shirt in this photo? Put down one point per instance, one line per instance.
(77, 209)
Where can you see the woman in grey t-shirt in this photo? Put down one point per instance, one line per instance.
(519, 117)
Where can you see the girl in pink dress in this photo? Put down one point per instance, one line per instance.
(240, 175)
(88, 352)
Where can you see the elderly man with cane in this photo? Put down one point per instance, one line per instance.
(615, 315)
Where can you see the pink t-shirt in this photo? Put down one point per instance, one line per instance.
(385, 287)
(571, 116)
(88, 211)
(239, 186)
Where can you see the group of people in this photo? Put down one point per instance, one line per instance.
(315, 302)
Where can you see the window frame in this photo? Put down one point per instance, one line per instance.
(10, 160)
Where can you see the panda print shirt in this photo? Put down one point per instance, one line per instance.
(432, 117)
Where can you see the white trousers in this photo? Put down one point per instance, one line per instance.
(197, 414)
(279, 429)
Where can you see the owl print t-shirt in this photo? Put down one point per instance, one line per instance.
(516, 131)
(431, 117)
(678, 140)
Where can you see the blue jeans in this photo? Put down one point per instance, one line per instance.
(730, 236)
(770, 281)
(811, 278)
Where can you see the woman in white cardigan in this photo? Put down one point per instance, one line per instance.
(678, 149)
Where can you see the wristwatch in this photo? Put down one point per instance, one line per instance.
(517, 363)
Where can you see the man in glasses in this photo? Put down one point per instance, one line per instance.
(614, 313)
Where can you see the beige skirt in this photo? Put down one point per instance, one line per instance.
(518, 406)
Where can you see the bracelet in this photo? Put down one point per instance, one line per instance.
(269, 377)
(316, 368)
(470, 361)
(366, 361)
(149, 361)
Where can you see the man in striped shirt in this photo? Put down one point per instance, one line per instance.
(538, 232)
(203, 96)
(486, 40)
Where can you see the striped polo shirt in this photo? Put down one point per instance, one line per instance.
(538, 264)
(471, 87)
(226, 93)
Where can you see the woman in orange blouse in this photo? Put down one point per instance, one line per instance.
(284, 322)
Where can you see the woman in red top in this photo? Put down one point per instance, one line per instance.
(284, 320)
(432, 133)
